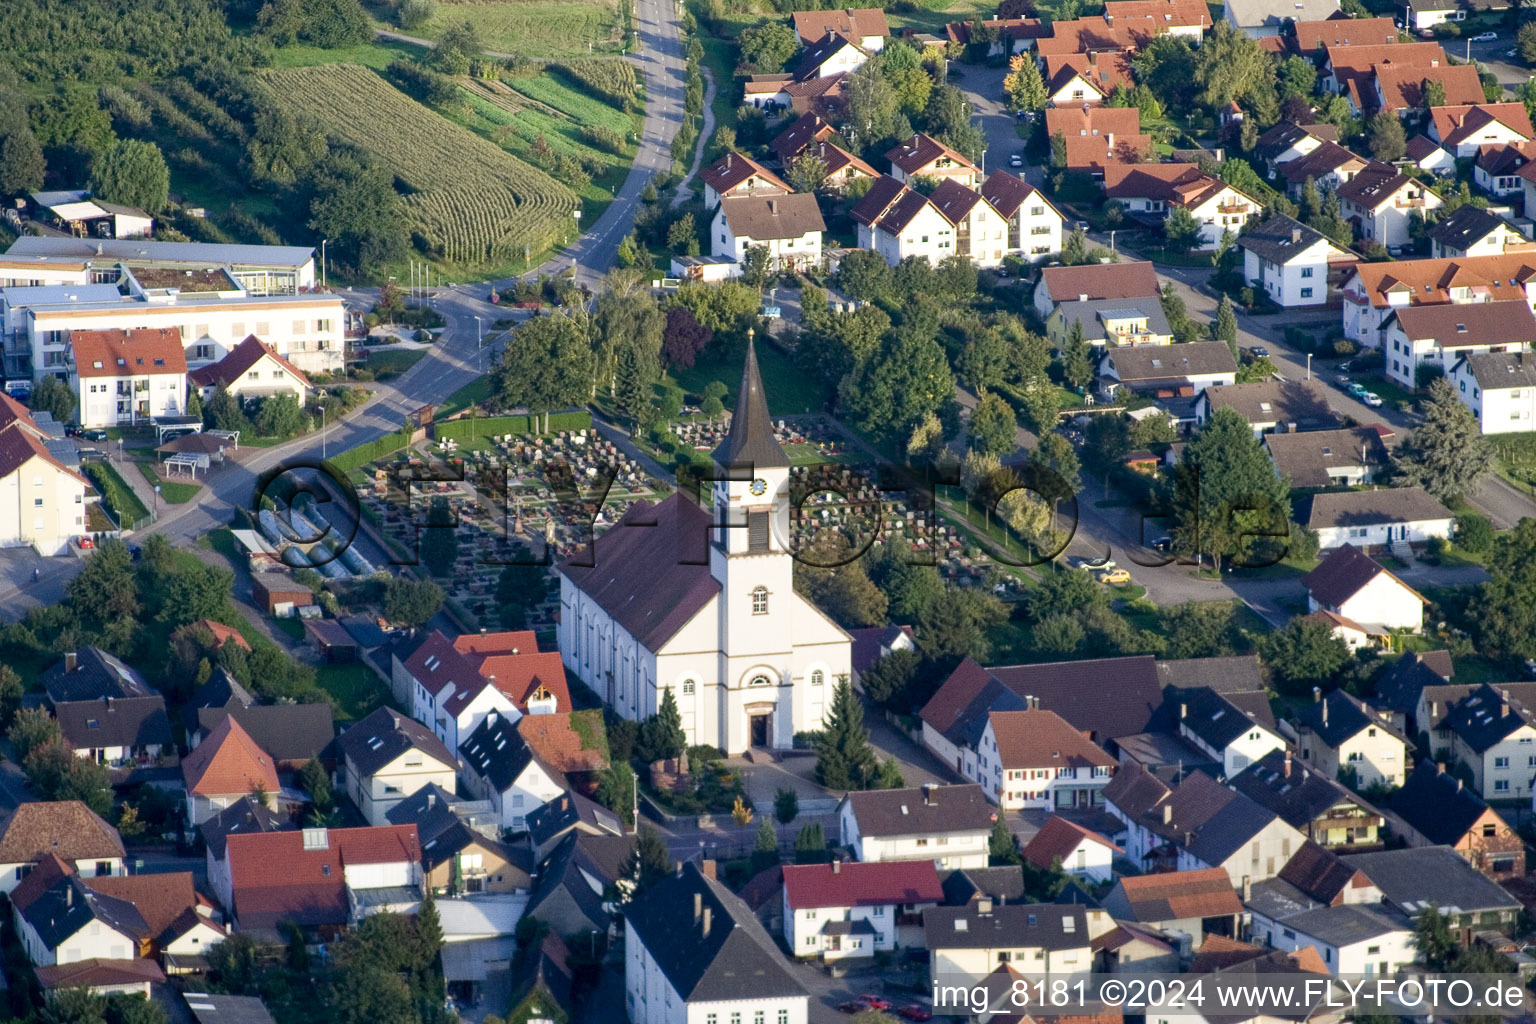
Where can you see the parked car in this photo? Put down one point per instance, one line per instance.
(95, 435)
(91, 455)
(915, 1011)
(874, 1002)
(852, 1006)
(772, 312)
(1258, 351)
(1114, 577)
(85, 543)
(1016, 160)
(1163, 543)
(1092, 564)
(1357, 389)
(1485, 37)
(1371, 399)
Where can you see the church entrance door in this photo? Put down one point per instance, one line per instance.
(758, 734)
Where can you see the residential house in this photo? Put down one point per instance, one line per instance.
(449, 693)
(42, 498)
(386, 757)
(1347, 68)
(1313, 877)
(812, 136)
(1182, 18)
(1432, 709)
(1463, 130)
(1129, 280)
(1402, 88)
(226, 767)
(573, 883)
(1289, 261)
(1079, 851)
(1309, 36)
(1327, 166)
(214, 1008)
(541, 982)
(1271, 405)
(292, 734)
(1068, 688)
(872, 644)
(1387, 517)
(788, 226)
(1499, 388)
(923, 156)
(1497, 168)
(1311, 801)
(1009, 35)
(566, 814)
(1425, 154)
(1260, 20)
(981, 233)
(1092, 35)
(1439, 810)
(1094, 136)
(252, 369)
(319, 879)
(1184, 370)
(1151, 191)
(810, 95)
(1289, 141)
(102, 977)
(949, 825)
(1035, 759)
(900, 222)
(830, 56)
(461, 849)
(1435, 337)
(1426, 14)
(1380, 201)
(62, 921)
(1494, 735)
(1374, 291)
(245, 816)
(865, 26)
(1412, 879)
(116, 731)
(1400, 688)
(1200, 824)
(839, 911)
(1235, 729)
(1473, 232)
(693, 950)
(1047, 940)
(1350, 456)
(1354, 585)
(1339, 735)
(1084, 78)
(179, 923)
(501, 767)
(1350, 938)
(736, 176)
(1110, 323)
(1186, 907)
(128, 376)
(66, 829)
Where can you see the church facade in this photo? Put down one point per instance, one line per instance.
(673, 598)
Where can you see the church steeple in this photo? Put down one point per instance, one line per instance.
(750, 442)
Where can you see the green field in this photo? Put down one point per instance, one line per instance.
(531, 28)
(384, 365)
(376, 55)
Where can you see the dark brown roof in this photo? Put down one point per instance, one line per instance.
(921, 811)
(732, 169)
(1306, 456)
(921, 150)
(869, 209)
(1367, 508)
(1399, 687)
(1343, 574)
(1171, 362)
(1134, 790)
(1319, 873)
(159, 897)
(1058, 837)
(1300, 402)
(1077, 691)
(1328, 157)
(953, 200)
(1459, 325)
(1375, 184)
(650, 571)
(792, 141)
(114, 722)
(289, 732)
(904, 211)
(1007, 192)
(100, 972)
(772, 217)
(750, 444)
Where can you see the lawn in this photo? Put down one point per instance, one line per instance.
(172, 492)
(533, 28)
(355, 687)
(933, 15)
(473, 393)
(392, 363)
(720, 59)
(790, 390)
(376, 55)
(116, 493)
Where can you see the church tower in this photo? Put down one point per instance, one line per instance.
(749, 556)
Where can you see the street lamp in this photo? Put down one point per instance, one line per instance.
(322, 433)
(323, 282)
(479, 333)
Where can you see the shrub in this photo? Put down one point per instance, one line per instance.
(1474, 533)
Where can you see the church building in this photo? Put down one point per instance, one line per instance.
(673, 598)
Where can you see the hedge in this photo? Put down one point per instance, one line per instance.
(468, 428)
(117, 495)
(372, 451)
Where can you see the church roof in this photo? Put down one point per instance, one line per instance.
(650, 572)
(750, 442)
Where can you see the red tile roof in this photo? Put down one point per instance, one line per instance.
(522, 677)
(133, 353)
(1043, 739)
(1170, 13)
(239, 362)
(556, 740)
(855, 884)
(228, 762)
(67, 828)
(1058, 837)
(519, 641)
(1134, 280)
(274, 878)
(48, 870)
(1343, 32)
(1095, 34)
(854, 22)
(735, 169)
(1089, 120)
(159, 897)
(222, 634)
(1455, 123)
(1205, 892)
(1404, 87)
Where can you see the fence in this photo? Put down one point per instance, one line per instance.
(371, 451)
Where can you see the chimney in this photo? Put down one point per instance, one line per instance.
(431, 800)
(837, 867)
(1439, 767)
(1082, 296)
(773, 207)
(928, 788)
(1287, 763)
(1167, 814)
(727, 159)
(1325, 714)
(984, 906)
(1503, 703)
(1295, 234)
(1317, 694)
(69, 894)
(698, 907)
(108, 699)
(1247, 888)
(1109, 20)
(708, 913)
(708, 869)
(70, 661)
(1458, 785)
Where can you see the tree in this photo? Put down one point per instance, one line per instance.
(134, 1009)
(807, 172)
(1002, 847)
(889, 681)
(902, 66)
(765, 852)
(1387, 139)
(1433, 95)
(316, 781)
(844, 758)
(1297, 76)
(630, 253)
(741, 814)
(873, 105)
(21, 158)
(1023, 85)
(647, 862)
(768, 47)
(1259, 370)
(1181, 231)
(756, 266)
(993, 425)
(439, 540)
(411, 14)
(983, 363)
(30, 729)
(1434, 940)
(352, 201)
(281, 416)
(908, 379)
(681, 235)
(1231, 66)
(225, 413)
(661, 735)
(409, 602)
(1228, 500)
(325, 23)
(53, 396)
(1304, 654)
(1074, 249)
(1224, 327)
(1076, 357)
(811, 844)
(1197, 630)
(955, 622)
(786, 806)
(1447, 453)
(1058, 635)
(684, 338)
(131, 172)
(73, 1005)
(548, 365)
(616, 786)
(1525, 39)
(1504, 607)
(457, 45)
(11, 690)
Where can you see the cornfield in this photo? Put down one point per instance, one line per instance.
(468, 198)
(613, 79)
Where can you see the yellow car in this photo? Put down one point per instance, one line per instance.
(1114, 576)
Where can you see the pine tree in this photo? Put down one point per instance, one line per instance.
(1002, 848)
(635, 377)
(1076, 362)
(1225, 325)
(786, 806)
(844, 758)
(317, 783)
(811, 844)
(1446, 454)
(647, 862)
(429, 927)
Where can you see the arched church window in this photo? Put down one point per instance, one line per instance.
(688, 687)
(759, 600)
(817, 678)
(758, 681)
